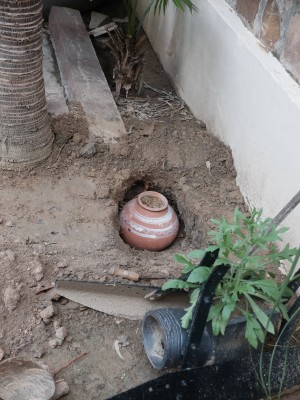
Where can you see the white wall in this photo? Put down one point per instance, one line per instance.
(242, 93)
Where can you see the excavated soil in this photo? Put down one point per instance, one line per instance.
(60, 220)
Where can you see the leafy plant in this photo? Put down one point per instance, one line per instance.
(126, 44)
(280, 352)
(248, 283)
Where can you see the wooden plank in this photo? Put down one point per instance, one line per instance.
(81, 74)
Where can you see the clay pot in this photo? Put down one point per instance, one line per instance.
(148, 222)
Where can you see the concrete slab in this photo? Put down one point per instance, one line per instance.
(81, 74)
(55, 96)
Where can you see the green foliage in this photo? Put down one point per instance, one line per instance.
(158, 5)
(161, 5)
(248, 284)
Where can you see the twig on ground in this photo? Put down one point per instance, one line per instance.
(69, 363)
(60, 150)
(156, 90)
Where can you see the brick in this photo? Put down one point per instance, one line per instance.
(81, 74)
(270, 29)
(248, 10)
(291, 47)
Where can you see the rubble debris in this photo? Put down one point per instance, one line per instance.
(61, 389)
(37, 352)
(38, 272)
(11, 298)
(55, 343)
(89, 150)
(62, 264)
(9, 224)
(61, 333)
(11, 255)
(47, 313)
(53, 295)
(1, 354)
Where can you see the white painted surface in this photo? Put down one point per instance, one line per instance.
(242, 93)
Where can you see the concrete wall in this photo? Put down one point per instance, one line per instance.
(277, 24)
(242, 93)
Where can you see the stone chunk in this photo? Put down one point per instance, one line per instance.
(47, 313)
(61, 333)
(11, 298)
(61, 389)
(11, 255)
(89, 150)
(55, 342)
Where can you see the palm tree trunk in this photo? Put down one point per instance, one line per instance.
(25, 133)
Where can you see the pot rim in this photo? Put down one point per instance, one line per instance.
(156, 195)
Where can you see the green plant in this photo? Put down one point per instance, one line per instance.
(280, 352)
(248, 283)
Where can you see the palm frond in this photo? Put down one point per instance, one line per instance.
(161, 5)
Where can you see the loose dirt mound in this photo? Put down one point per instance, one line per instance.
(61, 220)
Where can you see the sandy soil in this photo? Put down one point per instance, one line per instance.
(60, 220)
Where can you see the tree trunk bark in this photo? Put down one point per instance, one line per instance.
(25, 133)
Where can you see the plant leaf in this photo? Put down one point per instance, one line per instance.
(261, 316)
(188, 266)
(196, 254)
(177, 284)
(199, 275)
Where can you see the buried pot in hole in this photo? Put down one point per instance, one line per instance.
(148, 222)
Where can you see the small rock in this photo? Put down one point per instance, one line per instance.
(76, 345)
(47, 313)
(89, 150)
(61, 333)
(11, 255)
(64, 301)
(1, 354)
(57, 324)
(9, 224)
(61, 389)
(11, 298)
(103, 279)
(62, 264)
(38, 272)
(1, 221)
(53, 295)
(55, 342)
(77, 138)
(38, 277)
(37, 352)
